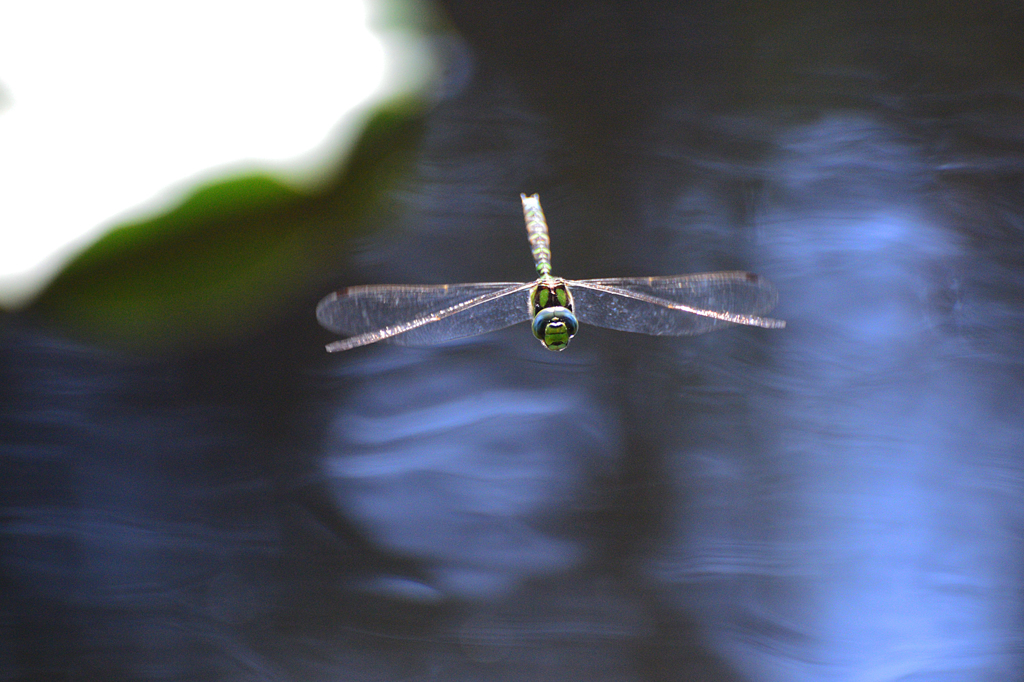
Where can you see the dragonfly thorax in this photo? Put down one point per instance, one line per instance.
(554, 322)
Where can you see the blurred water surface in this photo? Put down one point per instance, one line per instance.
(838, 500)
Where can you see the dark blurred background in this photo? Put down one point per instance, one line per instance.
(192, 489)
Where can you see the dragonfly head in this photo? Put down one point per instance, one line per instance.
(554, 327)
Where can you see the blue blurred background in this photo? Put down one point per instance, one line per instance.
(192, 489)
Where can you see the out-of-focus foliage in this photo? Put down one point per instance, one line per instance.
(228, 258)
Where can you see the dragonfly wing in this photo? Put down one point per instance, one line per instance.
(680, 305)
(421, 315)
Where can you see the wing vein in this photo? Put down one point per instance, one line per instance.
(737, 318)
(395, 330)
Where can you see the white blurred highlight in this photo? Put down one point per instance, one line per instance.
(114, 110)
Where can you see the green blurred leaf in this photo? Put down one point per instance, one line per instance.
(230, 256)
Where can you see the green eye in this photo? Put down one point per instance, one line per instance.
(554, 327)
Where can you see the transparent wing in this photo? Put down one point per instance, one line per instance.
(681, 305)
(421, 315)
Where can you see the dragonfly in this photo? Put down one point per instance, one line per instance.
(424, 315)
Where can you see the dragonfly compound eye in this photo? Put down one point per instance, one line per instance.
(554, 327)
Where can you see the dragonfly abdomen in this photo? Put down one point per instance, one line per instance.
(537, 233)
